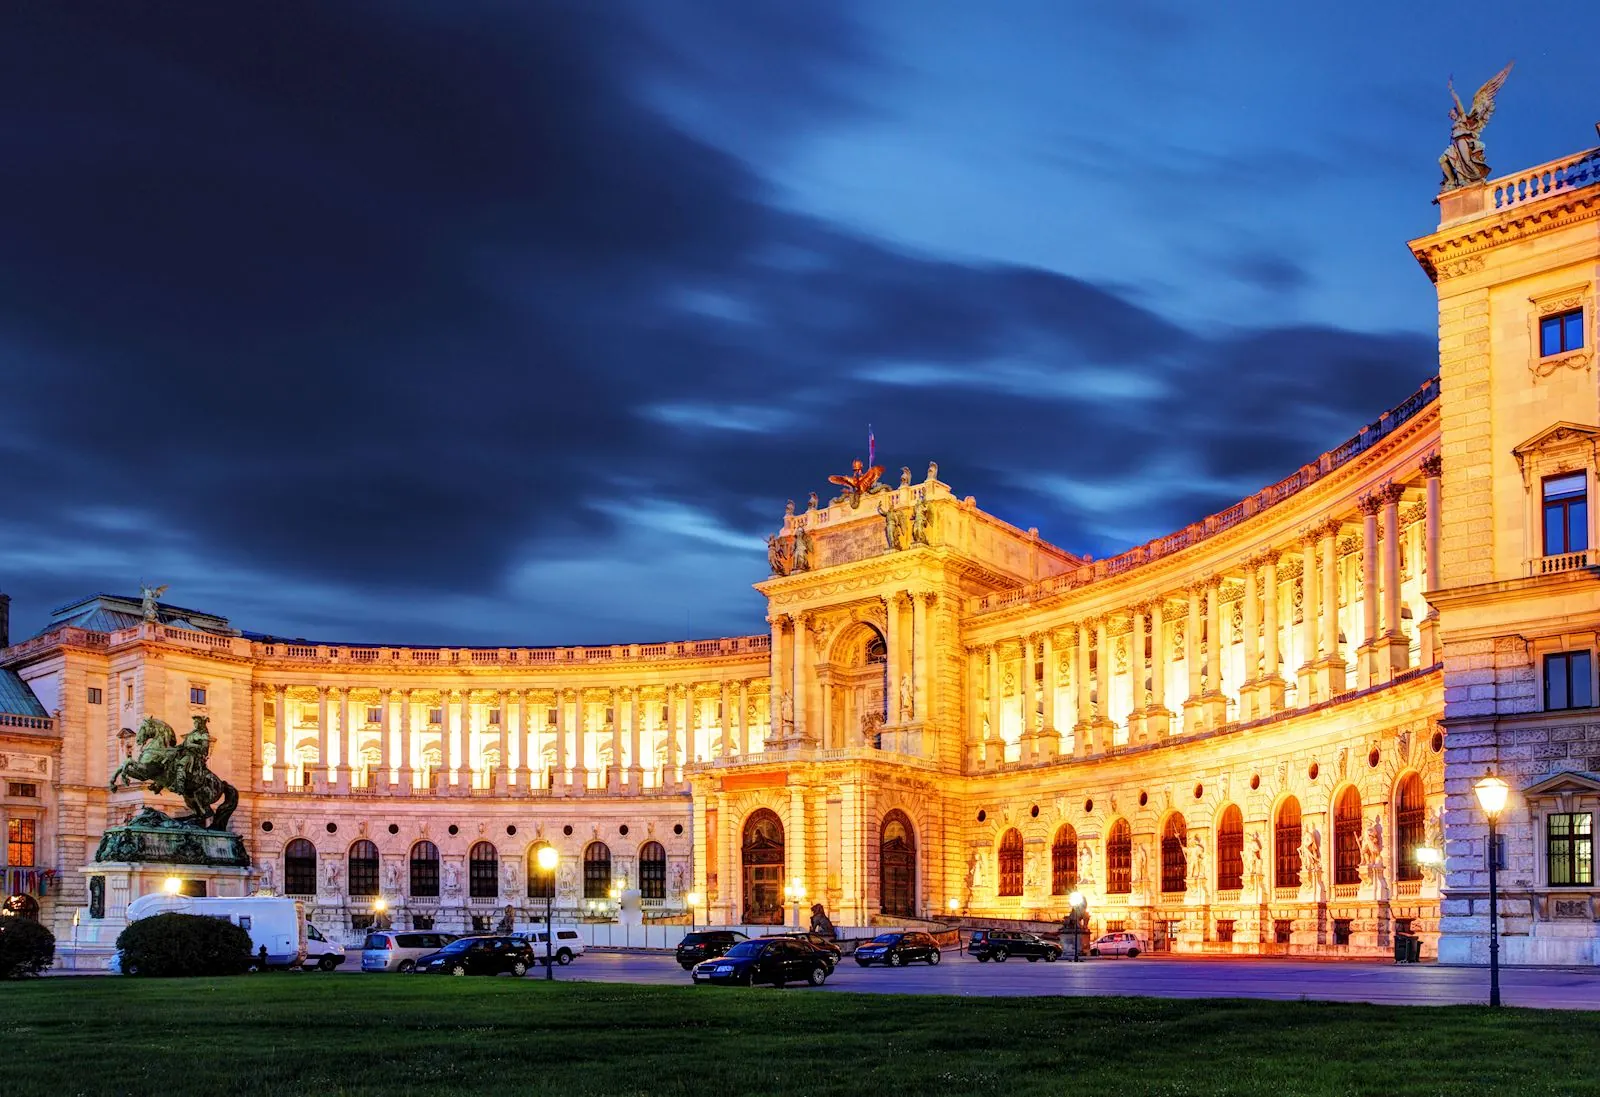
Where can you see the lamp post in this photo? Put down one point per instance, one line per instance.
(795, 892)
(693, 899)
(1491, 792)
(76, 915)
(548, 858)
(380, 918)
(1079, 907)
(172, 885)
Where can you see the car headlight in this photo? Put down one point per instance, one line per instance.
(723, 969)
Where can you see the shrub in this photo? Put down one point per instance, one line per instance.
(26, 947)
(184, 944)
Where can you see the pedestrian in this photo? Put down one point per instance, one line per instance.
(261, 958)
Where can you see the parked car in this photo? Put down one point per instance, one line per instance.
(704, 944)
(568, 945)
(998, 944)
(826, 945)
(775, 960)
(898, 949)
(1117, 944)
(479, 956)
(398, 950)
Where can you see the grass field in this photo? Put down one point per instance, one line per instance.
(304, 1034)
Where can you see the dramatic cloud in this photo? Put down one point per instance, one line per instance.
(497, 324)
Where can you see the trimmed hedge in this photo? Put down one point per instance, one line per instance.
(26, 947)
(184, 944)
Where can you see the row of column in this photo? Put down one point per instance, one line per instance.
(1383, 650)
(572, 762)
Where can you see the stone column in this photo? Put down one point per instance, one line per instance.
(779, 669)
(1270, 691)
(467, 759)
(1310, 620)
(891, 645)
(502, 773)
(319, 775)
(635, 767)
(1249, 707)
(1216, 702)
(1027, 736)
(994, 745)
(1139, 614)
(976, 667)
(520, 713)
(1158, 718)
(578, 783)
(743, 737)
(408, 774)
(1366, 654)
(1103, 673)
(921, 649)
(1331, 677)
(794, 846)
(346, 740)
(1193, 710)
(1049, 737)
(801, 690)
(558, 776)
(1394, 647)
(280, 709)
(1082, 688)
(447, 749)
(1432, 468)
(669, 773)
(384, 778)
(725, 706)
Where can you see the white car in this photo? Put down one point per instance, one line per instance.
(1117, 944)
(568, 944)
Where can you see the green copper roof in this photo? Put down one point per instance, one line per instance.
(16, 698)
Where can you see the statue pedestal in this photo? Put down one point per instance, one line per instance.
(93, 943)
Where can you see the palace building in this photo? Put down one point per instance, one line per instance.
(1235, 738)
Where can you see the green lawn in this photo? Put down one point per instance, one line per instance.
(393, 1035)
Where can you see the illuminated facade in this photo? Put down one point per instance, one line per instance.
(1233, 738)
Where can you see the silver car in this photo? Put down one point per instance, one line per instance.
(399, 950)
(1117, 944)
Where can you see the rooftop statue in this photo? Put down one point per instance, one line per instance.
(150, 595)
(1463, 161)
(164, 763)
(859, 481)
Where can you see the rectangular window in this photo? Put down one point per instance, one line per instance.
(1566, 680)
(494, 716)
(1566, 513)
(95, 696)
(269, 709)
(1569, 849)
(1225, 930)
(197, 695)
(1114, 926)
(1341, 931)
(374, 714)
(1560, 333)
(128, 694)
(20, 843)
(360, 923)
(23, 790)
(1282, 929)
(436, 716)
(422, 921)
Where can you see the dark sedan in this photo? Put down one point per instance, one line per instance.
(826, 945)
(479, 956)
(898, 949)
(705, 944)
(775, 960)
(997, 944)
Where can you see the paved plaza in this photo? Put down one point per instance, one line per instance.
(1391, 984)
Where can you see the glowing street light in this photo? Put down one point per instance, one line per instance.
(1492, 792)
(693, 898)
(172, 885)
(547, 860)
(795, 892)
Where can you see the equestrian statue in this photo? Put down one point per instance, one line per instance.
(165, 764)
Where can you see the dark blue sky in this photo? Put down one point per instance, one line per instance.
(518, 322)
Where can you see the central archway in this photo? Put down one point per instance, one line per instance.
(761, 854)
(897, 866)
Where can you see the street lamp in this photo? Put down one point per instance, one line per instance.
(795, 892)
(1079, 910)
(380, 913)
(1491, 792)
(693, 899)
(172, 885)
(547, 860)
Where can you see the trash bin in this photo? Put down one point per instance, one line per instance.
(1415, 948)
(1407, 948)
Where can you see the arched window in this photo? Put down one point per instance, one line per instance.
(425, 870)
(541, 884)
(653, 871)
(299, 868)
(1230, 849)
(483, 871)
(597, 871)
(1174, 863)
(1347, 838)
(1011, 862)
(1410, 826)
(1064, 861)
(897, 866)
(363, 874)
(1119, 859)
(1286, 845)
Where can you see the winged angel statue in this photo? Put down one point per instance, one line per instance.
(1463, 162)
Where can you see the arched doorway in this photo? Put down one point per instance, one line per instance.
(897, 866)
(761, 854)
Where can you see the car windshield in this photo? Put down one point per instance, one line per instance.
(377, 941)
(459, 946)
(886, 939)
(743, 949)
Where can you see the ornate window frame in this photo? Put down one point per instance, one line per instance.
(1559, 448)
(1564, 793)
(1579, 296)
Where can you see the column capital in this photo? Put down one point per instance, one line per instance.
(406, 692)
(323, 691)
(1267, 558)
(1141, 608)
(1391, 493)
(1433, 465)
(1329, 529)
(1370, 505)
(778, 619)
(384, 692)
(927, 597)
(280, 688)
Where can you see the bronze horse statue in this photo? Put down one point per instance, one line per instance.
(163, 763)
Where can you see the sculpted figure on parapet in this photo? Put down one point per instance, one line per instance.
(1463, 162)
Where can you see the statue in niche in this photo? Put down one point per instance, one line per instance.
(921, 522)
(1197, 864)
(908, 696)
(1256, 873)
(1141, 867)
(391, 877)
(1373, 869)
(508, 874)
(975, 874)
(678, 878)
(333, 875)
(1463, 162)
(1085, 867)
(269, 883)
(803, 547)
(1311, 861)
(451, 880)
(786, 709)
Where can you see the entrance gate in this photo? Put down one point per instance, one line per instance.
(762, 858)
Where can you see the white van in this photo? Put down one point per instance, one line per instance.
(277, 924)
(568, 944)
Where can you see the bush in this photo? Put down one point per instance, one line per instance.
(184, 944)
(26, 947)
